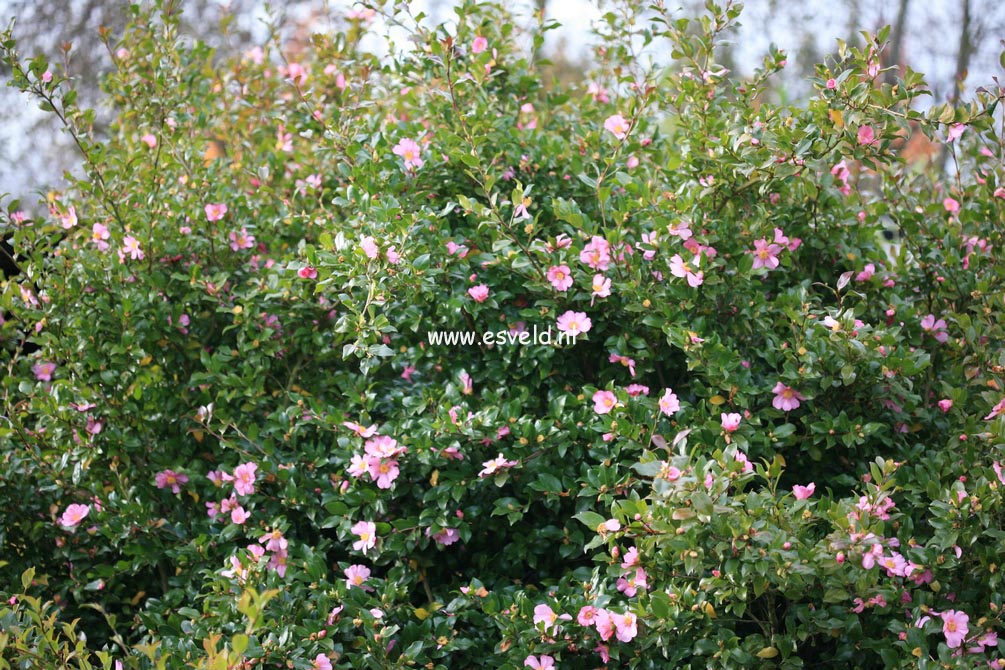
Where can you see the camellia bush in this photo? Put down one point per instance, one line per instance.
(335, 359)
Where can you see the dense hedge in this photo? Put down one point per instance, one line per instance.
(775, 441)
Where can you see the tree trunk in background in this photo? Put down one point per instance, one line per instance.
(895, 55)
(966, 50)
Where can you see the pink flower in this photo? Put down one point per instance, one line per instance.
(559, 277)
(479, 44)
(866, 135)
(867, 273)
(215, 212)
(765, 254)
(46, 77)
(479, 293)
(604, 402)
(574, 323)
(617, 125)
(495, 465)
(730, 422)
(356, 575)
(149, 140)
(635, 390)
(445, 537)
(383, 471)
(244, 478)
(596, 254)
(803, 492)
(131, 246)
(597, 92)
(43, 371)
(604, 621)
(367, 533)
(601, 286)
(69, 219)
(954, 626)
(307, 272)
(99, 235)
(951, 205)
(587, 615)
(678, 268)
(544, 614)
(298, 73)
(544, 663)
(274, 541)
(832, 84)
(955, 131)
(785, 398)
(633, 583)
(360, 430)
(624, 360)
(74, 514)
(626, 625)
(996, 410)
(239, 515)
(369, 247)
(945, 404)
(166, 478)
(668, 403)
(410, 151)
(936, 327)
(241, 240)
(321, 662)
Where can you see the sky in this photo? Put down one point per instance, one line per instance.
(930, 47)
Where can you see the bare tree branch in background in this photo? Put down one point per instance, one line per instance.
(895, 55)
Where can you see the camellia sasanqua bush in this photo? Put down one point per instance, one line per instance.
(292, 405)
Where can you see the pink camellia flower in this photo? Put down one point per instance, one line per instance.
(43, 371)
(626, 626)
(955, 628)
(955, 132)
(46, 77)
(765, 254)
(604, 402)
(730, 422)
(149, 140)
(544, 663)
(360, 430)
(239, 515)
(803, 492)
(668, 403)
(307, 272)
(587, 615)
(635, 390)
(383, 471)
(544, 614)
(479, 44)
(445, 537)
(410, 151)
(274, 541)
(131, 246)
(996, 410)
(495, 465)
(866, 273)
(367, 533)
(244, 478)
(945, 404)
(241, 240)
(633, 583)
(215, 212)
(321, 662)
(69, 219)
(617, 125)
(596, 254)
(560, 277)
(786, 399)
(951, 205)
(479, 293)
(936, 327)
(574, 323)
(100, 235)
(175, 480)
(601, 286)
(679, 268)
(74, 514)
(597, 92)
(866, 135)
(298, 73)
(356, 575)
(831, 84)
(604, 622)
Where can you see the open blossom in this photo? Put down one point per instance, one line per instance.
(445, 537)
(307, 272)
(997, 410)
(626, 626)
(479, 44)
(479, 293)
(617, 125)
(574, 323)
(175, 480)
(955, 628)
(100, 235)
(241, 240)
(239, 515)
(43, 371)
(596, 254)
(866, 135)
(587, 615)
(766, 254)
(544, 663)
(410, 151)
(360, 430)
(495, 465)
(74, 514)
(560, 277)
(604, 402)
(369, 247)
(367, 533)
(624, 360)
(786, 399)
(69, 219)
(632, 583)
(803, 492)
(544, 614)
(682, 269)
(669, 404)
(356, 575)
(601, 286)
(244, 478)
(383, 471)
(936, 327)
(321, 662)
(131, 246)
(215, 211)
